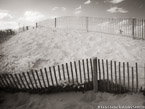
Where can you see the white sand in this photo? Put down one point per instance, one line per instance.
(46, 47)
(70, 100)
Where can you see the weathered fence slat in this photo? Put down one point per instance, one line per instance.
(10, 82)
(99, 69)
(38, 78)
(20, 76)
(26, 80)
(59, 72)
(137, 77)
(95, 73)
(46, 73)
(4, 84)
(51, 76)
(107, 70)
(103, 70)
(4, 78)
(63, 71)
(80, 71)
(55, 75)
(115, 71)
(119, 77)
(128, 75)
(132, 79)
(76, 71)
(111, 87)
(84, 70)
(33, 75)
(14, 82)
(18, 81)
(71, 67)
(43, 78)
(91, 68)
(88, 72)
(67, 72)
(1, 84)
(32, 86)
(124, 76)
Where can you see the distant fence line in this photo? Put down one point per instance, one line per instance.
(6, 34)
(131, 27)
(82, 75)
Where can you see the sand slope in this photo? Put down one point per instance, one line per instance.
(46, 47)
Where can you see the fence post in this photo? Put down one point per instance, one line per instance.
(95, 75)
(133, 27)
(143, 29)
(36, 24)
(55, 22)
(128, 76)
(132, 79)
(144, 77)
(23, 28)
(137, 78)
(87, 22)
(27, 28)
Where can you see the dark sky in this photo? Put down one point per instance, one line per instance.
(24, 12)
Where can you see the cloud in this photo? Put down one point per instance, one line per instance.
(78, 12)
(6, 15)
(87, 2)
(32, 16)
(116, 1)
(80, 7)
(8, 25)
(4, 11)
(52, 17)
(54, 8)
(117, 10)
(63, 8)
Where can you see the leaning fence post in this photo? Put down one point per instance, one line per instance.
(95, 75)
(55, 22)
(87, 22)
(133, 27)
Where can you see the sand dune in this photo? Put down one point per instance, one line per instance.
(46, 47)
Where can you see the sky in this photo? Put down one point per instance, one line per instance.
(17, 13)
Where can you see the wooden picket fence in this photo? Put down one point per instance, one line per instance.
(82, 75)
